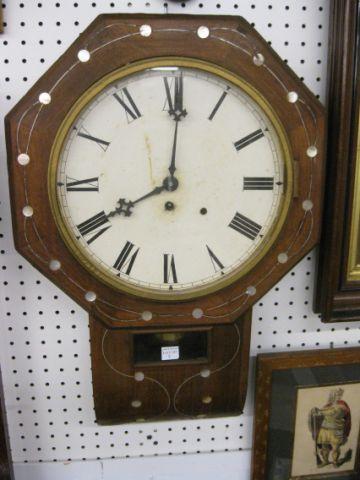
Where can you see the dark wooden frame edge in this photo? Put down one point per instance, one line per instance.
(6, 468)
(337, 298)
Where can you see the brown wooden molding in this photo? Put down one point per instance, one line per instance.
(337, 298)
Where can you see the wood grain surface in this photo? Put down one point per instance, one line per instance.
(115, 387)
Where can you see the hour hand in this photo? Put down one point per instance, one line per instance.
(155, 191)
(124, 206)
(176, 99)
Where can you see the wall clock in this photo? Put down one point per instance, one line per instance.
(165, 173)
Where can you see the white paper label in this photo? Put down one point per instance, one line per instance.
(170, 353)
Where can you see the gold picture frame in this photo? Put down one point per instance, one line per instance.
(353, 267)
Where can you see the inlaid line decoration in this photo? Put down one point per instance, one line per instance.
(212, 372)
(126, 375)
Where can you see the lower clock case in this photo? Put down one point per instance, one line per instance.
(169, 373)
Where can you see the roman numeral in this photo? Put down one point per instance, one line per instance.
(128, 104)
(214, 260)
(219, 103)
(249, 139)
(86, 185)
(103, 144)
(92, 225)
(244, 225)
(125, 259)
(97, 234)
(258, 183)
(169, 269)
(175, 101)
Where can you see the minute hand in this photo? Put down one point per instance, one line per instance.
(172, 167)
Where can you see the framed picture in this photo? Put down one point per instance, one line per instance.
(307, 416)
(338, 285)
(6, 468)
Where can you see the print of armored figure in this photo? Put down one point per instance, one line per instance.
(330, 427)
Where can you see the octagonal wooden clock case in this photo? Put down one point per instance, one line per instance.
(165, 172)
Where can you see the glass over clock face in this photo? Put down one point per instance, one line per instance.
(170, 180)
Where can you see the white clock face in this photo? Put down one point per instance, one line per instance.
(170, 181)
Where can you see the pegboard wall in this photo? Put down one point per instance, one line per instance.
(44, 338)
